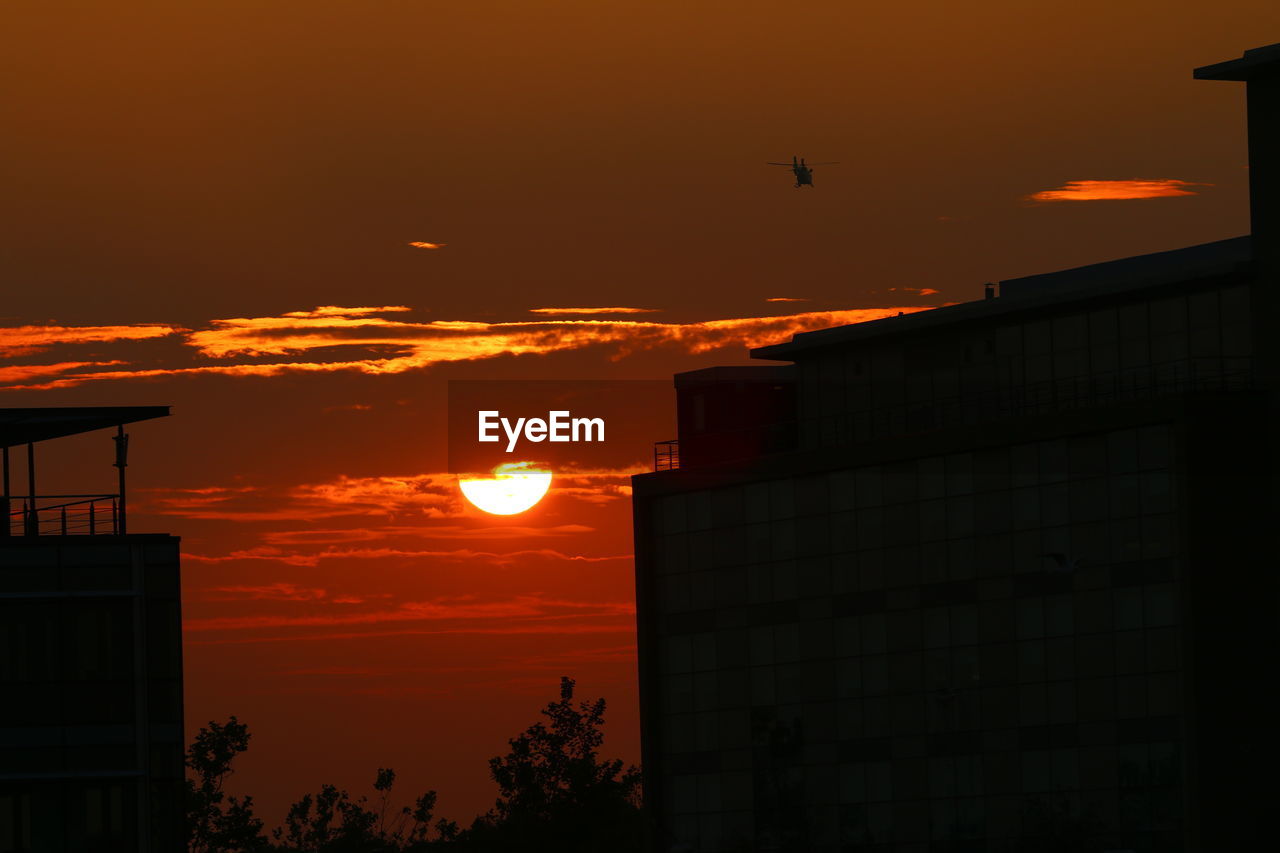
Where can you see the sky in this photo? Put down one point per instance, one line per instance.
(295, 222)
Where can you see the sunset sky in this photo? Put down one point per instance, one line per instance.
(294, 222)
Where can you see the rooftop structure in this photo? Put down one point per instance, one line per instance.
(981, 578)
(91, 740)
(65, 514)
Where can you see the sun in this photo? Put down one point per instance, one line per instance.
(513, 488)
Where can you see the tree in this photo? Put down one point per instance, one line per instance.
(555, 793)
(331, 822)
(217, 823)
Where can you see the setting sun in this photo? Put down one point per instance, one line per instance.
(513, 488)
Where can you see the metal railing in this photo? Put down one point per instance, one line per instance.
(73, 515)
(666, 455)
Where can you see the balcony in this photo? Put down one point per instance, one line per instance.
(62, 515)
(666, 455)
(79, 514)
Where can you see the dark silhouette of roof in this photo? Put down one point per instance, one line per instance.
(19, 426)
(1253, 62)
(1222, 257)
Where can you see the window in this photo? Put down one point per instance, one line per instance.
(15, 822)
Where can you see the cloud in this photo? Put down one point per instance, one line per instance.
(273, 554)
(267, 592)
(552, 660)
(22, 373)
(422, 245)
(325, 339)
(619, 626)
(359, 534)
(418, 495)
(596, 486)
(402, 500)
(24, 340)
(455, 609)
(1095, 190)
(787, 299)
(339, 311)
(424, 344)
(429, 494)
(594, 310)
(922, 291)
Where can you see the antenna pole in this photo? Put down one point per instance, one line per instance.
(7, 518)
(31, 521)
(121, 439)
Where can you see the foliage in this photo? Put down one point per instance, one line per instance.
(331, 822)
(217, 823)
(555, 793)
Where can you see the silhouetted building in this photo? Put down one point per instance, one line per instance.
(1012, 584)
(91, 749)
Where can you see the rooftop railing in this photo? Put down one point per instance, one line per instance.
(666, 455)
(61, 515)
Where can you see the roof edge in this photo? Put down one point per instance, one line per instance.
(1251, 62)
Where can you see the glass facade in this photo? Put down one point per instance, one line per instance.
(1075, 358)
(91, 680)
(952, 652)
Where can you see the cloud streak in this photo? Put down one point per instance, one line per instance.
(593, 310)
(1098, 190)
(338, 339)
(272, 554)
(24, 340)
(462, 608)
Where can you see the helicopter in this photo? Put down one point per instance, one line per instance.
(803, 173)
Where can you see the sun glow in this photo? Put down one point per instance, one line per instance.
(513, 488)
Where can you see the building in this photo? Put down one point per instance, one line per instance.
(983, 578)
(91, 749)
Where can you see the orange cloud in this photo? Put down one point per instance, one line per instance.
(339, 311)
(405, 498)
(462, 608)
(421, 245)
(278, 555)
(429, 495)
(323, 537)
(22, 373)
(1094, 190)
(389, 346)
(23, 340)
(555, 660)
(618, 626)
(593, 310)
(268, 592)
(787, 299)
(463, 340)
(275, 369)
(596, 486)
(922, 291)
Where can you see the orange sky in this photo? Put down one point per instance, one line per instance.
(294, 222)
